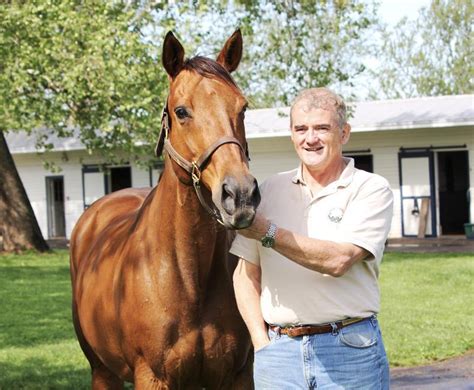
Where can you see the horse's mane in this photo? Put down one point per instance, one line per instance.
(210, 69)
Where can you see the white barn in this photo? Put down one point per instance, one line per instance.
(423, 146)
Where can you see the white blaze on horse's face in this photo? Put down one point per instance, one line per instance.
(205, 106)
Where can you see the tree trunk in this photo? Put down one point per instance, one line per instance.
(18, 225)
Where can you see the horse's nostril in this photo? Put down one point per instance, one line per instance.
(228, 198)
(227, 191)
(255, 195)
(239, 196)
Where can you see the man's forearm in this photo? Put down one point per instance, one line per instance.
(247, 293)
(318, 255)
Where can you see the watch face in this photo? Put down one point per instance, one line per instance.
(268, 242)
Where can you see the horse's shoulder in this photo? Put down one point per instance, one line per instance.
(112, 209)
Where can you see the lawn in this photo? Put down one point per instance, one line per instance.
(427, 306)
(426, 315)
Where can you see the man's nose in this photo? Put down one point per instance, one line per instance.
(312, 136)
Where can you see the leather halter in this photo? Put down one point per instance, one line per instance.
(195, 167)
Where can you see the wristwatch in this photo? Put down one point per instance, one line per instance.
(268, 240)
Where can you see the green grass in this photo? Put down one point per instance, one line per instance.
(426, 315)
(38, 348)
(427, 306)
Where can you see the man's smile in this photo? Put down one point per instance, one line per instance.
(315, 149)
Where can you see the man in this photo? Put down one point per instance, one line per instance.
(306, 282)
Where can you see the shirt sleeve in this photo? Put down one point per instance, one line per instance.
(368, 217)
(246, 249)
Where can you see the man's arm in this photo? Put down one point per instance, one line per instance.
(247, 288)
(326, 257)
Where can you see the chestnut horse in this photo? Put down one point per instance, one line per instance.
(153, 301)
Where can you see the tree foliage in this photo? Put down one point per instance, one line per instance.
(432, 55)
(296, 45)
(289, 45)
(79, 68)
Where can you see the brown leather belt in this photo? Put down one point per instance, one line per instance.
(306, 330)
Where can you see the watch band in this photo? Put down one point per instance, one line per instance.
(268, 241)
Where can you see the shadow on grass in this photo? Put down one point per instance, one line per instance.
(37, 373)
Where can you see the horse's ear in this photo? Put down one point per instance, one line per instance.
(231, 53)
(173, 55)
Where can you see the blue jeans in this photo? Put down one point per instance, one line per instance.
(351, 358)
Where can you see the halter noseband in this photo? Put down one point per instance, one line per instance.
(196, 167)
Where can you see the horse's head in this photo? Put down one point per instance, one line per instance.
(206, 136)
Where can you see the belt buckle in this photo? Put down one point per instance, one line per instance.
(289, 331)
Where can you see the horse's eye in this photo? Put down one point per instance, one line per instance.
(181, 112)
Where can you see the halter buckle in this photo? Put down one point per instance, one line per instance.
(165, 122)
(195, 173)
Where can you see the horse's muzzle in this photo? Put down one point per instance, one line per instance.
(238, 201)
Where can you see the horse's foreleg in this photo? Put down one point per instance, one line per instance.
(244, 378)
(104, 379)
(145, 378)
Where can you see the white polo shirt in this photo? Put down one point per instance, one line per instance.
(357, 208)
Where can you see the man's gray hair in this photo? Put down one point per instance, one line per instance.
(323, 98)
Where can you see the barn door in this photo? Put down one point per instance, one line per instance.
(93, 184)
(453, 190)
(55, 206)
(417, 192)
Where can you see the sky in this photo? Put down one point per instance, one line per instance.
(393, 10)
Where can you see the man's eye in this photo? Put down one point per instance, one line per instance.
(181, 112)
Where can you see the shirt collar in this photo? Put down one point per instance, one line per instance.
(298, 178)
(344, 179)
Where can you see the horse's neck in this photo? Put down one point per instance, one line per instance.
(187, 238)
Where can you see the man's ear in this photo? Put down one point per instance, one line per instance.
(173, 55)
(346, 133)
(231, 53)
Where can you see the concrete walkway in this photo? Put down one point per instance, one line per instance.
(456, 373)
(431, 245)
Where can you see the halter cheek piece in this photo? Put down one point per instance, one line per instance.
(196, 167)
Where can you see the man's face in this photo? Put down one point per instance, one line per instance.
(317, 137)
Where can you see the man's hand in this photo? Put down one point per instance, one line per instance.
(259, 344)
(258, 228)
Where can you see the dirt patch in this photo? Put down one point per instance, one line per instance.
(456, 373)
